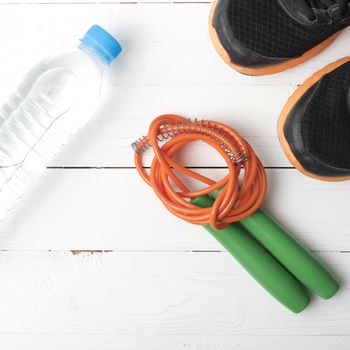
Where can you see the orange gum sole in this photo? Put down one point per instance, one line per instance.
(267, 70)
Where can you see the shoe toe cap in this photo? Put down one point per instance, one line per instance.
(238, 52)
(311, 156)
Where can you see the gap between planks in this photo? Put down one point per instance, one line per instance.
(107, 3)
(147, 167)
(103, 251)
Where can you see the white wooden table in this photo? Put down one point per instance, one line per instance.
(83, 264)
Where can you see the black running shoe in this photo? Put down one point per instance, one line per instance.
(259, 37)
(314, 126)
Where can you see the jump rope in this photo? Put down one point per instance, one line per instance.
(229, 208)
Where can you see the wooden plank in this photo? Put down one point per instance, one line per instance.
(168, 66)
(99, 2)
(114, 209)
(196, 295)
(107, 138)
(171, 342)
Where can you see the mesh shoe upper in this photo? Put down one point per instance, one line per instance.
(325, 122)
(265, 28)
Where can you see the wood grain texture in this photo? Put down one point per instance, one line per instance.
(148, 293)
(172, 342)
(114, 209)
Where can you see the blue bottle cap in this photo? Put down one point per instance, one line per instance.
(101, 43)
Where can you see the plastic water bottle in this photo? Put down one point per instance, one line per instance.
(54, 100)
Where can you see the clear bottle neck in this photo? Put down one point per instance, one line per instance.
(94, 56)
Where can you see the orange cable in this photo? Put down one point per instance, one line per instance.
(237, 200)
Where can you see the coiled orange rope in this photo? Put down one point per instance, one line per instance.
(236, 201)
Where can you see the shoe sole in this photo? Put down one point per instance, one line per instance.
(266, 70)
(292, 101)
